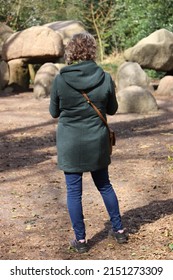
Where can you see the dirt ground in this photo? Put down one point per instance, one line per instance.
(33, 215)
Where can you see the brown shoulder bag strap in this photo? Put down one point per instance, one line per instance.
(96, 109)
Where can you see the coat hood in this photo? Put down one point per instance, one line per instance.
(82, 76)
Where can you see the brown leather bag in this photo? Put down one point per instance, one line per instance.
(112, 137)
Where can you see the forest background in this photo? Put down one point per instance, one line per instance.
(116, 24)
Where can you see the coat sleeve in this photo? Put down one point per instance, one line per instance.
(112, 105)
(54, 100)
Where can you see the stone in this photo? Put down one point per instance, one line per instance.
(135, 99)
(4, 74)
(19, 74)
(5, 33)
(66, 28)
(43, 80)
(153, 52)
(131, 73)
(35, 44)
(165, 86)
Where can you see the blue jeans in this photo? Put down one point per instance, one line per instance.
(74, 200)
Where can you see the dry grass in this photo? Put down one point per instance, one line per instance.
(112, 62)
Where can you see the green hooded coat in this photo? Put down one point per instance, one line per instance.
(82, 138)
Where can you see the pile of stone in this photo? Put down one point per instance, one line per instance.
(134, 89)
(37, 45)
(44, 46)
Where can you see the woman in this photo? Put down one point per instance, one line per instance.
(82, 138)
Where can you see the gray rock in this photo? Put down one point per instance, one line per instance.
(5, 33)
(135, 99)
(19, 73)
(43, 80)
(34, 42)
(153, 52)
(4, 74)
(165, 86)
(66, 28)
(131, 73)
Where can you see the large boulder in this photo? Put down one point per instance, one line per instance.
(165, 86)
(4, 74)
(66, 28)
(153, 52)
(135, 99)
(35, 44)
(19, 74)
(43, 80)
(131, 73)
(5, 33)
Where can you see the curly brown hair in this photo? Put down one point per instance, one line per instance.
(82, 46)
